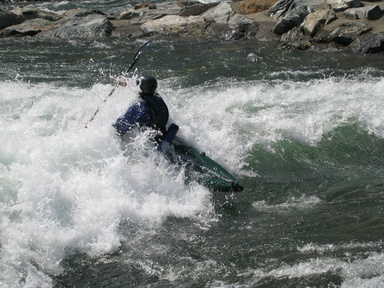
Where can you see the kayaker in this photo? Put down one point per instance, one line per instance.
(149, 111)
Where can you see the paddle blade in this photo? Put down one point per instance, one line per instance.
(139, 54)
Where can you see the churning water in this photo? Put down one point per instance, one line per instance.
(81, 207)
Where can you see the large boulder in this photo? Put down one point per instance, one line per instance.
(28, 28)
(196, 8)
(241, 27)
(316, 20)
(280, 8)
(9, 18)
(93, 25)
(342, 5)
(216, 30)
(123, 28)
(148, 12)
(166, 8)
(346, 33)
(144, 18)
(369, 13)
(219, 14)
(174, 25)
(369, 43)
(283, 7)
(292, 19)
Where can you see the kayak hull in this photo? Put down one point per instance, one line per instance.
(202, 169)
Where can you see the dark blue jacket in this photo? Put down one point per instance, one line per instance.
(147, 112)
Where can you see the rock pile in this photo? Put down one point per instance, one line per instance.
(300, 24)
(354, 24)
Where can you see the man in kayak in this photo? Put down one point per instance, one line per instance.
(149, 111)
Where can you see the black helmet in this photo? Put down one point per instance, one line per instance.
(148, 85)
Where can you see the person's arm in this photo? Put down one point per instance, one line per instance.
(136, 115)
(122, 126)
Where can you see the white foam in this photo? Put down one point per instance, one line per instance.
(304, 111)
(365, 272)
(67, 189)
(302, 202)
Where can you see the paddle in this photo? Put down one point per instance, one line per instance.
(139, 54)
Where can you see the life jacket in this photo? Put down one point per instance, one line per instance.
(160, 111)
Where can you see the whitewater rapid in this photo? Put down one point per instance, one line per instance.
(67, 190)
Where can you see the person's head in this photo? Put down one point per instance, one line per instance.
(147, 84)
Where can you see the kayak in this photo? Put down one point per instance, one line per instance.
(198, 166)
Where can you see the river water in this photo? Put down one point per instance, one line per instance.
(81, 207)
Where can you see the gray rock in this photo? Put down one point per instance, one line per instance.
(174, 25)
(166, 8)
(369, 43)
(151, 12)
(342, 5)
(282, 7)
(292, 19)
(348, 32)
(83, 13)
(74, 12)
(144, 18)
(369, 13)
(28, 28)
(196, 9)
(128, 14)
(241, 27)
(316, 20)
(93, 25)
(219, 14)
(9, 18)
(217, 30)
(292, 35)
(123, 28)
(32, 13)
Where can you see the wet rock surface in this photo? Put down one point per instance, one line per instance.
(315, 24)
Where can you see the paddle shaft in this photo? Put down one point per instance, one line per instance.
(139, 54)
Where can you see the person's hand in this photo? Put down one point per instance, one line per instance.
(122, 81)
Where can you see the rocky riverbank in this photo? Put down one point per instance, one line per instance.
(296, 24)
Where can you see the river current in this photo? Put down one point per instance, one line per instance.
(303, 131)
